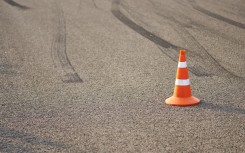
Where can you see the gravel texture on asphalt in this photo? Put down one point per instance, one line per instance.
(92, 76)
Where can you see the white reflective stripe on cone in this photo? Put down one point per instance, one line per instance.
(182, 65)
(180, 82)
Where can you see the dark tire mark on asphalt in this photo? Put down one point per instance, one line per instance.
(200, 62)
(95, 4)
(201, 55)
(143, 32)
(13, 3)
(167, 48)
(217, 16)
(59, 54)
(197, 52)
(140, 30)
(162, 44)
(197, 70)
(218, 33)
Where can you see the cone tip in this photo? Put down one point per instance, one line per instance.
(182, 52)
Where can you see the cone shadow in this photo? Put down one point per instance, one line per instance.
(223, 108)
(30, 139)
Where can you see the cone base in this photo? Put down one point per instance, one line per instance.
(182, 101)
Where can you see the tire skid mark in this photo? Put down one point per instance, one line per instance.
(197, 70)
(217, 16)
(172, 51)
(15, 4)
(201, 54)
(152, 37)
(218, 33)
(95, 5)
(203, 27)
(201, 63)
(174, 55)
(59, 55)
(165, 50)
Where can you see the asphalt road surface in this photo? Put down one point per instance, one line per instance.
(92, 76)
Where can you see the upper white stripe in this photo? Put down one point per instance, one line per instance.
(182, 65)
(180, 82)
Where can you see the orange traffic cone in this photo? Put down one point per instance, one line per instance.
(182, 92)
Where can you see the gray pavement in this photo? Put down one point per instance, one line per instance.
(92, 76)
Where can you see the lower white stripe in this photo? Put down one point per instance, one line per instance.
(182, 65)
(180, 82)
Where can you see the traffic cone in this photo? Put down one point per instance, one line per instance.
(182, 92)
